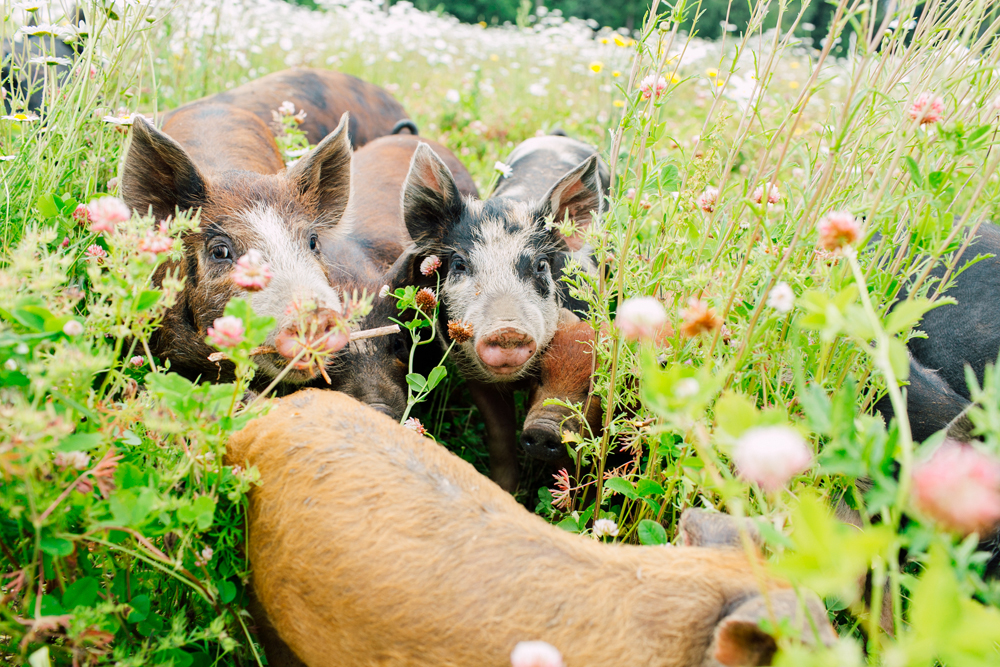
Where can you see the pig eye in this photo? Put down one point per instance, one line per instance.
(313, 242)
(458, 264)
(399, 349)
(221, 253)
(542, 266)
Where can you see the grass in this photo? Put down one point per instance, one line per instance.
(123, 575)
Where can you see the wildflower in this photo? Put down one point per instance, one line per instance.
(535, 654)
(927, 109)
(781, 298)
(708, 199)
(77, 460)
(7, 158)
(770, 456)
(96, 252)
(452, 96)
(202, 559)
(384, 292)
(773, 194)
(103, 473)
(123, 118)
(105, 213)
(137, 361)
(504, 169)
(156, 244)
(641, 318)
(21, 117)
(286, 109)
(616, 74)
(699, 318)
(651, 85)
(712, 72)
(560, 497)
(425, 300)
(538, 90)
(621, 41)
(251, 273)
(414, 425)
(959, 487)
(459, 332)
(630, 193)
(81, 214)
(619, 103)
(430, 264)
(50, 60)
(596, 66)
(112, 184)
(837, 229)
(226, 332)
(605, 528)
(72, 328)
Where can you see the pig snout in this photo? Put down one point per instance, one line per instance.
(542, 440)
(320, 332)
(505, 350)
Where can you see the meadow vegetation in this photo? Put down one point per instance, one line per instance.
(772, 196)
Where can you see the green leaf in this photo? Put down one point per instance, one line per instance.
(79, 442)
(81, 593)
(907, 313)
(132, 507)
(734, 413)
(46, 205)
(147, 299)
(569, 524)
(227, 592)
(150, 626)
(651, 533)
(622, 486)
(416, 381)
(647, 487)
(899, 358)
(200, 512)
(56, 546)
(936, 179)
(437, 374)
(51, 606)
(140, 608)
(911, 166)
(669, 178)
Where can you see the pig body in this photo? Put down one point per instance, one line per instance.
(502, 262)
(436, 565)
(24, 80)
(324, 95)
(222, 168)
(374, 370)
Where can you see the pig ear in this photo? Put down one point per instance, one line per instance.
(740, 641)
(159, 175)
(323, 175)
(578, 193)
(431, 200)
(566, 318)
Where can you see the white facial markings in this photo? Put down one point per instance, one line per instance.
(495, 295)
(296, 271)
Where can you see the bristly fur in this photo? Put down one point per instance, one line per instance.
(405, 571)
(567, 364)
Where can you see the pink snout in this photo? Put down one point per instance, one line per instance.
(505, 350)
(318, 332)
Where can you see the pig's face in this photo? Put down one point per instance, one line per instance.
(501, 261)
(283, 217)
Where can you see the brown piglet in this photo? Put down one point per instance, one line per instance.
(371, 545)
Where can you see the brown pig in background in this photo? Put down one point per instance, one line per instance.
(371, 545)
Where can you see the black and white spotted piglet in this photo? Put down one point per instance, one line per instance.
(501, 266)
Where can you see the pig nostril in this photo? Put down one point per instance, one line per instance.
(543, 444)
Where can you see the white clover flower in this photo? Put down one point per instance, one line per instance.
(771, 455)
(72, 328)
(641, 318)
(384, 292)
(605, 528)
(535, 654)
(781, 298)
(453, 96)
(504, 169)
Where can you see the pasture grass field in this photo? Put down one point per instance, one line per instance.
(121, 530)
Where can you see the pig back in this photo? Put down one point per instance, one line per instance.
(324, 95)
(221, 137)
(538, 163)
(375, 545)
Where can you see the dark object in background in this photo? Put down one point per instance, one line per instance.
(324, 95)
(23, 79)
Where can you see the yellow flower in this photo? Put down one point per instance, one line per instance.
(712, 71)
(596, 66)
(674, 78)
(720, 83)
(604, 40)
(620, 41)
(794, 64)
(482, 24)
(616, 74)
(619, 103)
(494, 57)
(793, 84)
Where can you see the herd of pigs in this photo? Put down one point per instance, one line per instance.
(420, 560)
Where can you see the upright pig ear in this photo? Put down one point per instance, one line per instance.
(431, 200)
(740, 641)
(159, 174)
(323, 175)
(577, 194)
